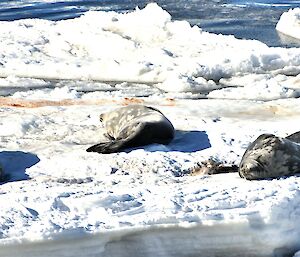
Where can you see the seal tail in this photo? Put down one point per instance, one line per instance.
(107, 147)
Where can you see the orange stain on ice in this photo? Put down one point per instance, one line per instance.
(23, 103)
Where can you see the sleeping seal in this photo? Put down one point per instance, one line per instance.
(133, 125)
(270, 156)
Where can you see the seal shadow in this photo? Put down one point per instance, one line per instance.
(184, 141)
(15, 163)
(189, 141)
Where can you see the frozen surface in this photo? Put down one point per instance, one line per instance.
(255, 19)
(289, 23)
(219, 92)
(148, 47)
(57, 190)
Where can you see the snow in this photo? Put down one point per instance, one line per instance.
(219, 92)
(289, 23)
(146, 49)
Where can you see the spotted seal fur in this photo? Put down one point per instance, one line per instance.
(270, 156)
(131, 126)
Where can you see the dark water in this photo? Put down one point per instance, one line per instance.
(252, 19)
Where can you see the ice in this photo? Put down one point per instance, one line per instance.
(137, 47)
(219, 92)
(289, 23)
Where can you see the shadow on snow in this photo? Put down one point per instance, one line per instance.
(190, 141)
(15, 163)
(184, 141)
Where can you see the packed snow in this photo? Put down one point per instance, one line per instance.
(219, 92)
(289, 23)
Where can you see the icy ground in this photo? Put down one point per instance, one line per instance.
(220, 93)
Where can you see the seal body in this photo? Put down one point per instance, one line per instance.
(295, 137)
(133, 125)
(270, 156)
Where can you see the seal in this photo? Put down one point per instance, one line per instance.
(295, 137)
(131, 126)
(270, 156)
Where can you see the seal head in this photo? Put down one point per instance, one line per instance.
(270, 156)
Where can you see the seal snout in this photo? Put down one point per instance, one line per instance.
(251, 169)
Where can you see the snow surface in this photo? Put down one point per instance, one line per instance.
(289, 23)
(219, 92)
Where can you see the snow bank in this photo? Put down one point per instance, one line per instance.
(289, 23)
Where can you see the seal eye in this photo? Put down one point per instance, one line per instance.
(101, 118)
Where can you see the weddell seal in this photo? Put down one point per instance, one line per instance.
(131, 126)
(270, 156)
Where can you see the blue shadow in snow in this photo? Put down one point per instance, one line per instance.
(15, 163)
(189, 141)
(184, 141)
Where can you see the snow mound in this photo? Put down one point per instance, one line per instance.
(289, 23)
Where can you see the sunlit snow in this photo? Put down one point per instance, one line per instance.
(289, 23)
(219, 92)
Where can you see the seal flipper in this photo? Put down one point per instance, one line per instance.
(126, 140)
(107, 147)
(99, 148)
